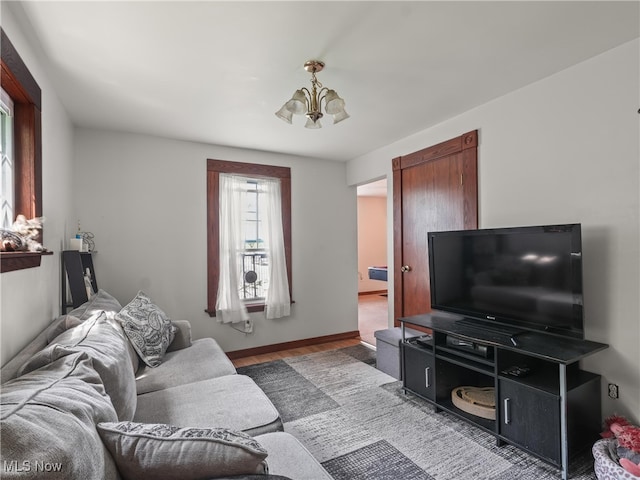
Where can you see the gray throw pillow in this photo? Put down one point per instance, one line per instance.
(64, 323)
(100, 302)
(149, 329)
(48, 418)
(105, 343)
(166, 452)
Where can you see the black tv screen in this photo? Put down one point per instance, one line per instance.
(527, 277)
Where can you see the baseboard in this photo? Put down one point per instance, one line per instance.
(372, 292)
(278, 347)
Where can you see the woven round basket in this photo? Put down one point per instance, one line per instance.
(479, 401)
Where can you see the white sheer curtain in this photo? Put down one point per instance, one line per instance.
(278, 302)
(229, 307)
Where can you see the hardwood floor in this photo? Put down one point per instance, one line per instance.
(268, 357)
(372, 316)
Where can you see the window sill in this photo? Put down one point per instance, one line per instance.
(255, 307)
(251, 307)
(10, 261)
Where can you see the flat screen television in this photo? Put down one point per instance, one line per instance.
(524, 277)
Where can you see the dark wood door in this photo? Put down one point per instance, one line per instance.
(434, 189)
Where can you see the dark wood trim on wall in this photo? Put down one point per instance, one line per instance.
(278, 347)
(241, 168)
(18, 82)
(397, 239)
(20, 85)
(214, 169)
(20, 77)
(28, 167)
(449, 147)
(213, 237)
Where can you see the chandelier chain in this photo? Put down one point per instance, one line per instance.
(315, 80)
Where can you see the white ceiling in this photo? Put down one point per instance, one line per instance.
(215, 72)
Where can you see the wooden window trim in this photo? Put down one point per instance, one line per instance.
(214, 169)
(18, 82)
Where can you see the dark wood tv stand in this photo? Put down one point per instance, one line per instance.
(552, 412)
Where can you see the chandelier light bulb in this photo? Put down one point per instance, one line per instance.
(284, 113)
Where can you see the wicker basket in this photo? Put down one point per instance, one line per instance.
(479, 401)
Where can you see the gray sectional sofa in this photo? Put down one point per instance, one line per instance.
(78, 402)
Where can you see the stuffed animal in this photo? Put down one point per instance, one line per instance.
(22, 236)
(627, 438)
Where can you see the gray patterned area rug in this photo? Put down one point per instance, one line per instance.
(359, 424)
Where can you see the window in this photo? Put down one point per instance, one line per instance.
(26, 147)
(6, 159)
(256, 255)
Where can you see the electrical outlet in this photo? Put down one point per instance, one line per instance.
(613, 390)
(248, 326)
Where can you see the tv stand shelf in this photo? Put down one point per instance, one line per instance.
(552, 410)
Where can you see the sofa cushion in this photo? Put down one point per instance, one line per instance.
(10, 369)
(167, 452)
(105, 343)
(287, 456)
(148, 328)
(203, 360)
(100, 302)
(48, 417)
(182, 337)
(232, 401)
(65, 323)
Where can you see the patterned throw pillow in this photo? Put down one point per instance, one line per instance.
(168, 452)
(148, 328)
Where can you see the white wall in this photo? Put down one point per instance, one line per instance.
(372, 241)
(565, 149)
(144, 198)
(31, 298)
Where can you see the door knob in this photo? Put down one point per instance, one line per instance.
(405, 268)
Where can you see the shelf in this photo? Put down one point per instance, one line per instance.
(534, 344)
(11, 261)
(476, 367)
(448, 406)
(73, 266)
(411, 343)
(471, 359)
(484, 423)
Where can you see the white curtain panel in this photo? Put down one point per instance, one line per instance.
(278, 303)
(229, 307)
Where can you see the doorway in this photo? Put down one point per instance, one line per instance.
(373, 306)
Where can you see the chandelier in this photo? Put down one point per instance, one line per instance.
(309, 103)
